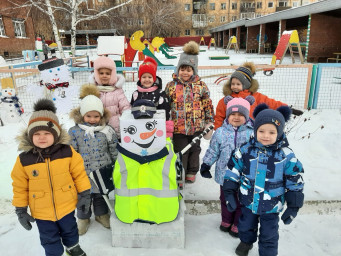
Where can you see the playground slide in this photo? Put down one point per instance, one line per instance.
(147, 52)
(129, 56)
(282, 46)
(166, 53)
(167, 48)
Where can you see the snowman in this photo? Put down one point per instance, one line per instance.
(54, 84)
(10, 107)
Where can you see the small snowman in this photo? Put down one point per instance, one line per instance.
(10, 107)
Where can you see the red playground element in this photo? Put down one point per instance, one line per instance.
(129, 55)
(282, 46)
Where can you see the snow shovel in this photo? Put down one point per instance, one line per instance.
(103, 180)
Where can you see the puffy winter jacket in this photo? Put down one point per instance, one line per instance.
(191, 105)
(223, 142)
(96, 151)
(48, 185)
(265, 173)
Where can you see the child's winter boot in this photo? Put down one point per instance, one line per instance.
(225, 227)
(104, 220)
(234, 231)
(190, 178)
(83, 225)
(243, 249)
(75, 250)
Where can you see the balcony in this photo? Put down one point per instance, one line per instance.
(199, 20)
(247, 9)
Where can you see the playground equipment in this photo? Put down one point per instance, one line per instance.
(232, 42)
(159, 44)
(212, 42)
(289, 39)
(202, 41)
(137, 45)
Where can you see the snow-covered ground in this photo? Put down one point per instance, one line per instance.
(316, 231)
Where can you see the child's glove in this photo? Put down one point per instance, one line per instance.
(205, 171)
(230, 187)
(169, 128)
(289, 214)
(24, 218)
(294, 201)
(84, 201)
(208, 136)
(296, 112)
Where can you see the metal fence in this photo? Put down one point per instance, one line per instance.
(303, 86)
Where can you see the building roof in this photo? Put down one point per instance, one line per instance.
(95, 31)
(296, 12)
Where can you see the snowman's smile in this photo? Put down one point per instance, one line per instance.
(145, 145)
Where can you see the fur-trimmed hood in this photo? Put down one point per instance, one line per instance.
(75, 114)
(227, 87)
(119, 83)
(26, 145)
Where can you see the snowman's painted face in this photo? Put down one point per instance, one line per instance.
(55, 75)
(8, 92)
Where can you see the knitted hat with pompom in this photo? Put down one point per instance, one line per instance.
(44, 118)
(149, 65)
(189, 57)
(90, 100)
(278, 117)
(244, 74)
(239, 105)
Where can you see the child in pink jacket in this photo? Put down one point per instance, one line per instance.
(110, 85)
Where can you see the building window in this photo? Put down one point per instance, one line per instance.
(305, 2)
(234, 6)
(187, 7)
(223, 6)
(19, 28)
(234, 18)
(259, 5)
(187, 32)
(129, 22)
(2, 28)
(222, 18)
(212, 6)
(211, 19)
(248, 5)
(199, 32)
(258, 15)
(270, 4)
(188, 18)
(282, 4)
(294, 4)
(141, 22)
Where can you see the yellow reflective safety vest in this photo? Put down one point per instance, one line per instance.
(146, 186)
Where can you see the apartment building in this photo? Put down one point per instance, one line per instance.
(206, 14)
(16, 30)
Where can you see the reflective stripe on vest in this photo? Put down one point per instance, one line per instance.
(153, 201)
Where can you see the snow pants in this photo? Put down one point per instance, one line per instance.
(190, 160)
(53, 234)
(226, 216)
(100, 207)
(268, 231)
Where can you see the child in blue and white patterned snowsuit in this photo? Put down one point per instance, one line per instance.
(235, 131)
(267, 174)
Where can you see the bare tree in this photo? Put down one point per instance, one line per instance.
(78, 11)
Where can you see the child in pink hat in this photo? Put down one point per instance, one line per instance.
(110, 86)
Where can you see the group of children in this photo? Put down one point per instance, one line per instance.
(50, 176)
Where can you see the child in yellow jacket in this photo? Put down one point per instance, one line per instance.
(47, 177)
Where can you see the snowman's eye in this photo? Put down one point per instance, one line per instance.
(58, 69)
(131, 129)
(50, 70)
(150, 126)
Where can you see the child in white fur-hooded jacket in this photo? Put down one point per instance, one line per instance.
(110, 86)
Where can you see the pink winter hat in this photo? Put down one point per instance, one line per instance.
(239, 105)
(105, 62)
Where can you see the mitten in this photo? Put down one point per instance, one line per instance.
(24, 218)
(169, 128)
(230, 187)
(205, 171)
(84, 201)
(296, 112)
(208, 136)
(294, 201)
(289, 214)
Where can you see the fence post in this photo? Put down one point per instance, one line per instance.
(317, 86)
(312, 86)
